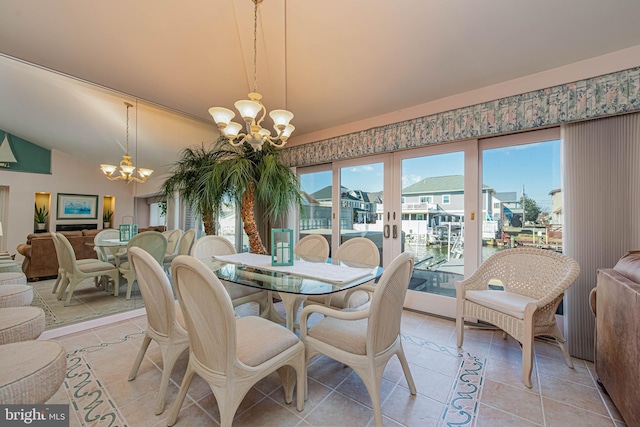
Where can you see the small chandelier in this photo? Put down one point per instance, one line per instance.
(249, 109)
(126, 167)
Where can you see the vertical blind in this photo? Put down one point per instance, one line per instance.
(601, 209)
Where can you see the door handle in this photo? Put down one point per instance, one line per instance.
(387, 231)
(395, 231)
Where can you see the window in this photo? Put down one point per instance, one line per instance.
(404, 200)
(446, 199)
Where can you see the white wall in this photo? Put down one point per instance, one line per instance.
(69, 175)
(609, 63)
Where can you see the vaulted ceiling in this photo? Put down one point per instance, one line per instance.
(330, 62)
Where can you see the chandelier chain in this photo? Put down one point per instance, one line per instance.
(255, 46)
(127, 140)
(128, 104)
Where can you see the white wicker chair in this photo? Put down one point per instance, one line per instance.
(355, 252)
(231, 353)
(103, 255)
(165, 323)
(184, 248)
(209, 246)
(365, 339)
(312, 248)
(153, 242)
(173, 240)
(74, 272)
(534, 282)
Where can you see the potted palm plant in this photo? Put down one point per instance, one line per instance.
(208, 177)
(40, 216)
(106, 218)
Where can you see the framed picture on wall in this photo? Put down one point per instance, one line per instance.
(77, 206)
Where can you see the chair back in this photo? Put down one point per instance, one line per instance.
(109, 233)
(207, 246)
(532, 272)
(358, 252)
(186, 241)
(156, 291)
(387, 302)
(64, 252)
(173, 238)
(208, 313)
(312, 248)
(153, 242)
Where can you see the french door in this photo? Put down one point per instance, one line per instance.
(452, 205)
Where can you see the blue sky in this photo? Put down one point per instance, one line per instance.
(536, 166)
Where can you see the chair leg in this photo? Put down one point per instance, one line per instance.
(565, 352)
(301, 384)
(131, 277)
(138, 361)
(286, 376)
(116, 282)
(372, 382)
(170, 355)
(184, 387)
(59, 279)
(72, 287)
(561, 342)
(405, 369)
(527, 360)
(460, 329)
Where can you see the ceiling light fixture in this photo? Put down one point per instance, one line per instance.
(249, 109)
(126, 167)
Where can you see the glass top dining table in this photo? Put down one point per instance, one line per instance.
(293, 283)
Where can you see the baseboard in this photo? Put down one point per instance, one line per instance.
(89, 324)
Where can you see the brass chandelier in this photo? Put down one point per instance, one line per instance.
(126, 166)
(249, 109)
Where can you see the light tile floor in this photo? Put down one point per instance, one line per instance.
(480, 385)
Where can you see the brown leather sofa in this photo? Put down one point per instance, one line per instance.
(39, 253)
(615, 301)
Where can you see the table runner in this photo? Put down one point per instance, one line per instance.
(310, 270)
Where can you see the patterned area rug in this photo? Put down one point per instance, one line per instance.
(50, 317)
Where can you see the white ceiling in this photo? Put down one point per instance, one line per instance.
(343, 61)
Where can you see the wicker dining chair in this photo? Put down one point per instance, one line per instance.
(534, 282)
(365, 339)
(75, 272)
(355, 252)
(165, 323)
(153, 242)
(184, 248)
(173, 240)
(208, 246)
(231, 353)
(312, 248)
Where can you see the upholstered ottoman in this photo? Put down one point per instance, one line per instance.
(32, 371)
(15, 295)
(13, 279)
(20, 324)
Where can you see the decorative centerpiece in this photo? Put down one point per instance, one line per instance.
(281, 246)
(127, 231)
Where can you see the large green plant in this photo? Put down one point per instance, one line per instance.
(207, 177)
(40, 214)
